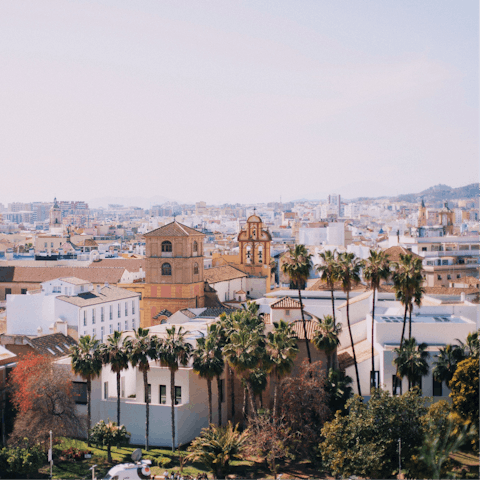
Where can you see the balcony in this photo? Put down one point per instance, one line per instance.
(451, 253)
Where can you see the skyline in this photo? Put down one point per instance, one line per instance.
(117, 99)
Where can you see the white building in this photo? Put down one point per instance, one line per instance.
(82, 308)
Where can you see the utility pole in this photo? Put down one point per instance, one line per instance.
(399, 457)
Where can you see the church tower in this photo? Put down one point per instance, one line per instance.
(56, 225)
(422, 215)
(447, 219)
(173, 270)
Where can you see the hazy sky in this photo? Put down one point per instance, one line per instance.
(236, 101)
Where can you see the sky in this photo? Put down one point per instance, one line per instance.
(236, 101)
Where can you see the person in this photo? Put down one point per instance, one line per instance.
(165, 474)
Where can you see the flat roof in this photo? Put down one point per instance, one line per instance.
(421, 319)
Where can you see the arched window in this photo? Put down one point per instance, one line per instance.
(195, 268)
(195, 246)
(166, 246)
(166, 269)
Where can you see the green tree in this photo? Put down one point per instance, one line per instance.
(375, 269)
(115, 354)
(281, 350)
(208, 363)
(328, 274)
(339, 390)
(21, 461)
(297, 265)
(446, 362)
(348, 272)
(216, 447)
(143, 349)
(412, 362)
(464, 389)
(109, 434)
(175, 351)
(87, 363)
(471, 347)
(326, 338)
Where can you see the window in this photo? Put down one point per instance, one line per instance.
(46, 244)
(222, 390)
(105, 390)
(178, 395)
(166, 246)
(84, 318)
(94, 332)
(133, 307)
(51, 244)
(396, 385)
(111, 328)
(458, 276)
(133, 324)
(102, 333)
(163, 394)
(195, 247)
(424, 249)
(437, 388)
(24, 291)
(166, 269)
(8, 291)
(374, 379)
(287, 313)
(93, 316)
(80, 392)
(102, 314)
(439, 277)
(122, 387)
(119, 327)
(126, 308)
(449, 277)
(126, 324)
(119, 311)
(148, 394)
(111, 312)
(195, 268)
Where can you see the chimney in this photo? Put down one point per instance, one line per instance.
(462, 297)
(61, 327)
(106, 284)
(39, 331)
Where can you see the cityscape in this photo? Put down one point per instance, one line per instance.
(239, 241)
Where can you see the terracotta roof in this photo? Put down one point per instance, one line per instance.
(106, 294)
(58, 343)
(241, 292)
(286, 302)
(310, 326)
(215, 312)
(131, 265)
(173, 229)
(188, 313)
(467, 281)
(320, 285)
(88, 242)
(74, 281)
(222, 274)
(394, 253)
(163, 313)
(45, 274)
(449, 291)
(363, 351)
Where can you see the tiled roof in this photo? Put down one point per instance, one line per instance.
(58, 343)
(215, 312)
(241, 292)
(74, 281)
(310, 326)
(363, 351)
(320, 285)
(286, 302)
(88, 242)
(173, 229)
(449, 291)
(467, 281)
(163, 313)
(222, 274)
(394, 253)
(45, 274)
(131, 265)
(188, 313)
(106, 294)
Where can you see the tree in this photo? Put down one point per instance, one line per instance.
(365, 441)
(326, 338)
(328, 274)
(471, 347)
(348, 272)
(304, 408)
(281, 350)
(216, 447)
(22, 460)
(464, 389)
(446, 362)
(412, 362)
(87, 363)
(407, 282)
(375, 269)
(297, 265)
(109, 434)
(339, 390)
(174, 351)
(115, 354)
(42, 392)
(208, 363)
(142, 350)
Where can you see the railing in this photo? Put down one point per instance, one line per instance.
(451, 253)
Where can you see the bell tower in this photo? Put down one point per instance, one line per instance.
(56, 225)
(422, 215)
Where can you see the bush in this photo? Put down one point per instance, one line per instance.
(18, 461)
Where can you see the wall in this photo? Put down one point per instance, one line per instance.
(25, 313)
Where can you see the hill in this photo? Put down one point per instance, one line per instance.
(439, 193)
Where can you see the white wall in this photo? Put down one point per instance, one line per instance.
(256, 286)
(25, 313)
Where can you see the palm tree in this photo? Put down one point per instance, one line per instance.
(471, 347)
(174, 351)
(143, 349)
(375, 268)
(115, 354)
(297, 265)
(348, 271)
(281, 349)
(87, 363)
(216, 331)
(407, 282)
(412, 361)
(326, 338)
(208, 363)
(328, 274)
(446, 362)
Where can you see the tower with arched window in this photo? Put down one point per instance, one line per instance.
(173, 270)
